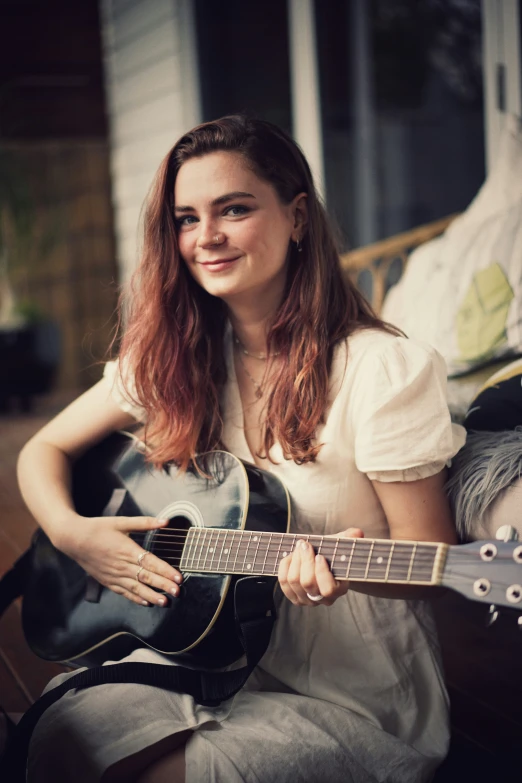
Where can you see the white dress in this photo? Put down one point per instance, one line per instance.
(351, 693)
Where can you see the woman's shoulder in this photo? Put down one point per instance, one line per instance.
(386, 359)
(378, 344)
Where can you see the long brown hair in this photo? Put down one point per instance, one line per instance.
(173, 343)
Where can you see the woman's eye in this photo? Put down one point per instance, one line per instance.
(236, 210)
(186, 220)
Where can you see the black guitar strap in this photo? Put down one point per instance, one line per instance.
(255, 617)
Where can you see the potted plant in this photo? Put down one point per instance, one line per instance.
(29, 341)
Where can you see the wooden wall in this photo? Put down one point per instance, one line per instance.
(74, 282)
(152, 96)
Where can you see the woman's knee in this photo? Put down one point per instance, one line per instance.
(152, 763)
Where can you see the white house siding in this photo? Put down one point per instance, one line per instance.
(152, 88)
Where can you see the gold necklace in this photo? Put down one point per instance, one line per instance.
(261, 356)
(257, 386)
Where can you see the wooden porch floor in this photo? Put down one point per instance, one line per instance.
(22, 674)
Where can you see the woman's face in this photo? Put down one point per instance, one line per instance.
(233, 230)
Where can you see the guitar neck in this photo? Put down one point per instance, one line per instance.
(221, 551)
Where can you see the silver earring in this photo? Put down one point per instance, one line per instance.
(298, 245)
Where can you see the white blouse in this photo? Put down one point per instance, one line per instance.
(375, 659)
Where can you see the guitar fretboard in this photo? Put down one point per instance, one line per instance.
(221, 551)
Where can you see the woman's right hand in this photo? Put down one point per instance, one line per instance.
(102, 547)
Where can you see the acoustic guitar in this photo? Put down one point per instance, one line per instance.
(228, 520)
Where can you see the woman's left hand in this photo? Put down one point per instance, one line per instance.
(303, 574)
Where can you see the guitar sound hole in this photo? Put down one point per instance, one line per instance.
(167, 543)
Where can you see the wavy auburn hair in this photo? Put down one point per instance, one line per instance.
(173, 342)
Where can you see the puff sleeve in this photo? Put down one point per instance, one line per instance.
(119, 391)
(400, 416)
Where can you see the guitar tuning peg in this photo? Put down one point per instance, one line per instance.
(506, 533)
(493, 615)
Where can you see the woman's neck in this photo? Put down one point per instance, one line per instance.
(251, 333)
(251, 325)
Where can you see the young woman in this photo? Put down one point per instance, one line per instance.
(242, 334)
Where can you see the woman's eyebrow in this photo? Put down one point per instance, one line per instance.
(220, 200)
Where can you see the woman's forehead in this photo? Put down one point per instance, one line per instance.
(207, 177)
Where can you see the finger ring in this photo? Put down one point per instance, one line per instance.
(314, 597)
(140, 557)
(140, 569)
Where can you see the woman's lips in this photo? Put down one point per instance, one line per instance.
(219, 265)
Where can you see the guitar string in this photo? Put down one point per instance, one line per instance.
(244, 550)
(223, 531)
(272, 569)
(243, 546)
(360, 562)
(359, 559)
(358, 556)
(181, 538)
(456, 577)
(200, 550)
(361, 543)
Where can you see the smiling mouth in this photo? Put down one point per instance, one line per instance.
(219, 263)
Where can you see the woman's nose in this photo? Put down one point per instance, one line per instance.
(209, 236)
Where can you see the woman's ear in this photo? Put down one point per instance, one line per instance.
(300, 215)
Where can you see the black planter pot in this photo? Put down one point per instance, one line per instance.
(29, 359)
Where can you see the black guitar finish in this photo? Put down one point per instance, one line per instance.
(227, 526)
(59, 622)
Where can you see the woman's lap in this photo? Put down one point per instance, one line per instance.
(266, 736)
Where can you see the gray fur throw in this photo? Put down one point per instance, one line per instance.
(483, 469)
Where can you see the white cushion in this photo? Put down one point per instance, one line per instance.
(462, 292)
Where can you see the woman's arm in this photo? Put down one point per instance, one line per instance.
(102, 546)
(415, 510)
(45, 460)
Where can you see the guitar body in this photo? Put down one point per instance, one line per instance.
(68, 617)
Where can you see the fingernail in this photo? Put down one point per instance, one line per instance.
(162, 601)
(319, 558)
(163, 521)
(178, 578)
(302, 544)
(175, 591)
(144, 603)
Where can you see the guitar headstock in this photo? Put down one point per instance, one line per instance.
(486, 571)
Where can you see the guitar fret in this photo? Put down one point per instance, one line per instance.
(185, 557)
(203, 551)
(386, 576)
(247, 552)
(278, 556)
(334, 555)
(257, 539)
(268, 546)
(411, 562)
(422, 570)
(351, 557)
(195, 537)
(238, 543)
(212, 549)
(195, 550)
(216, 550)
(224, 551)
(369, 560)
(379, 561)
